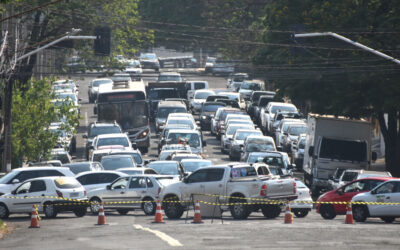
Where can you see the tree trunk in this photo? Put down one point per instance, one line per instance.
(391, 136)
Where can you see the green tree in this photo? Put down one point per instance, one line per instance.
(336, 78)
(33, 112)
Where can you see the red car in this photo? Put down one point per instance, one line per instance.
(345, 194)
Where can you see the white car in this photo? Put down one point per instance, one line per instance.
(388, 191)
(51, 195)
(267, 114)
(114, 162)
(236, 97)
(137, 171)
(94, 87)
(303, 204)
(14, 178)
(199, 98)
(192, 86)
(136, 192)
(228, 135)
(99, 179)
(108, 141)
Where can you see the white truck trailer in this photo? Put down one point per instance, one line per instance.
(334, 142)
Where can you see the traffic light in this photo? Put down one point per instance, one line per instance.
(102, 42)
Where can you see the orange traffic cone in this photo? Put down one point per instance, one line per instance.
(288, 215)
(101, 219)
(349, 214)
(158, 218)
(197, 214)
(34, 218)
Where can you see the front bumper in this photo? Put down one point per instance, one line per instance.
(70, 205)
(298, 204)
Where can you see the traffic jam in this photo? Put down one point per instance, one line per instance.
(280, 160)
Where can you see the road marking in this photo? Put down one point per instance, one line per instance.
(86, 119)
(171, 241)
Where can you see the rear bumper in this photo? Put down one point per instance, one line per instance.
(298, 204)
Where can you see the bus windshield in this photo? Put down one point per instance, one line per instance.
(127, 114)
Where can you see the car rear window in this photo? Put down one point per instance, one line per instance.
(243, 172)
(66, 183)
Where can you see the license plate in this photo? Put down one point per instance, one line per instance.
(74, 195)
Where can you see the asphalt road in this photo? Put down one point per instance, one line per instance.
(136, 231)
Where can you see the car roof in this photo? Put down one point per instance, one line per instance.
(100, 172)
(101, 79)
(160, 162)
(247, 130)
(204, 90)
(117, 156)
(40, 168)
(185, 131)
(171, 104)
(112, 136)
(169, 73)
(195, 160)
(282, 104)
(104, 124)
(269, 138)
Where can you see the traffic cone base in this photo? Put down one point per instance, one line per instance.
(158, 218)
(34, 218)
(197, 214)
(288, 215)
(349, 215)
(101, 219)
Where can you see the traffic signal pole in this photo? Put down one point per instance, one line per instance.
(6, 160)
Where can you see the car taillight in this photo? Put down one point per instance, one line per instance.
(263, 191)
(59, 194)
(294, 187)
(143, 134)
(84, 193)
(159, 190)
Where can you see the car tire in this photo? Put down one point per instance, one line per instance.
(388, 219)
(4, 213)
(360, 213)
(149, 206)
(327, 212)
(300, 213)
(95, 205)
(239, 211)
(172, 208)
(271, 211)
(80, 212)
(123, 211)
(49, 210)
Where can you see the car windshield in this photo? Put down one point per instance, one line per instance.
(225, 113)
(64, 95)
(302, 143)
(296, 130)
(232, 96)
(136, 156)
(97, 83)
(173, 78)
(100, 130)
(148, 56)
(181, 121)
(243, 135)
(202, 95)
(191, 166)
(211, 60)
(192, 138)
(167, 168)
(238, 117)
(232, 129)
(5, 179)
(164, 112)
(239, 78)
(251, 86)
(274, 161)
(211, 108)
(78, 167)
(275, 109)
(246, 122)
(67, 183)
(113, 141)
(260, 145)
(253, 158)
(113, 163)
(349, 176)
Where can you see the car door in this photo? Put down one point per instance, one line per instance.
(346, 193)
(136, 191)
(116, 192)
(194, 184)
(28, 194)
(387, 192)
(215, 181)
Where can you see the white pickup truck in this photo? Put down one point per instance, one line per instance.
(233, 184)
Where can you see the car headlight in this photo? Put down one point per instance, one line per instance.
(203, 117)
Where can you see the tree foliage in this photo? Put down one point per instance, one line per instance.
(33, 112)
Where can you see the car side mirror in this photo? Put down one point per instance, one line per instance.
(14, 192)
(15, 181)
(185, 180)
(95, 110)
(339, 192)
(91, 147)
(374, 156)
(279, 148)
(373, 191)
(84, 136)
(198, 123)
(134, 146)
(311, 150)
(286, 134)
(108, 187)
(204, 143)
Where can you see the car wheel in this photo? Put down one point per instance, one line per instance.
(123, 211)
(388, 219)
(360, 213)
(173, 209)
(149, 206)
(327, 212)
(49, 210)
(300, 213)
(239, 210)
(95, 205)
(271, 211)
(4, 211)
(80, 212)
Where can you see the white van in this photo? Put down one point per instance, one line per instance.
(192, 86)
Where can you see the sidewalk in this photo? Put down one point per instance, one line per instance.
(378, 165)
